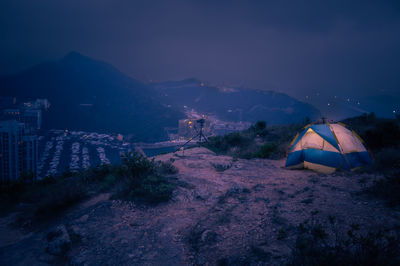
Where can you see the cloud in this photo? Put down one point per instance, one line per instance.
(292, 46)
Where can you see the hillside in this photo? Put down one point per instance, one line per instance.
(90, 95)
(235, 104)
(252, 213)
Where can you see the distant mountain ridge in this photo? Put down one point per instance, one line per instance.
(91, 95)
(235, 104)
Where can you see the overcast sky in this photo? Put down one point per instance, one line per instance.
(292, 46)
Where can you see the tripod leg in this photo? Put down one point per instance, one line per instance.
(205, 138)
(186, 142)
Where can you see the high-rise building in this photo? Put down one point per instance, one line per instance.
(18, 151)
(32, 118)
(30, 155)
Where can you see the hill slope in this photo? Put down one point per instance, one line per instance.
(246, 215)
(235, 104)
(90, 95)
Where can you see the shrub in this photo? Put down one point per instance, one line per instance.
(387, 160)
(220, 167)
(260, 125)
(54, 198)
(166, 168)
(384, 134)
(282, 234)
(151, 189)
(236, 139)
(142, 181)
(266, 150)
(315, 247)
(259, 128)
(108, 182)
(387, 188)
(136, 166)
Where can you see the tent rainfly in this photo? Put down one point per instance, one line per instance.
(327, 147)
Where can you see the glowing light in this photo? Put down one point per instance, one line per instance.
(329, 104)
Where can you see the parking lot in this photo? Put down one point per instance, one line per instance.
(61, 151)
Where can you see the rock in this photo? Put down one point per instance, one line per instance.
(47, 258)
(76, 233)
(58, 241)
(83, 219)
(78, 260)
(208, 236)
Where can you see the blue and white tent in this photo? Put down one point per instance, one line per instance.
(327, 147)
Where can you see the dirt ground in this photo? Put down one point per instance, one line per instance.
(224, 211)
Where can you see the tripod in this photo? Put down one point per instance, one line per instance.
(200, 134)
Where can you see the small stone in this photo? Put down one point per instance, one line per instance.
(78, 260)
(47, 258)
(83, 219)
(76, 232)
(208, 236)
(59, 241)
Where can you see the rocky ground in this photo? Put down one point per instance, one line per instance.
(224, 211)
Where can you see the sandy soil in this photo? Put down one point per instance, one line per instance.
(229, 216)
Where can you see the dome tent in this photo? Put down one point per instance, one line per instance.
(327, 147)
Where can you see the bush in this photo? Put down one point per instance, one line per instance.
(387, 188)
(166, 168)
(220, 167)
(152, 189)
(259, 128)
(237, 140)
(266, 150)
(136, 179)
(315, 247)
(384, 134)
(108, 182)
(56, 197)
(141, 180)
(247, 143)
(387, 161)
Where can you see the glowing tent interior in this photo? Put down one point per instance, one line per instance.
(327, 147)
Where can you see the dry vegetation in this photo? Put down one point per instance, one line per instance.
(137, 178)
(231, 210)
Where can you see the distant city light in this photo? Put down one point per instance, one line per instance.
(348, 99)
(329, 104)
(394, 111)
(358, 103)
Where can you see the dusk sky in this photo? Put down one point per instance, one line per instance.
(332, 47)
